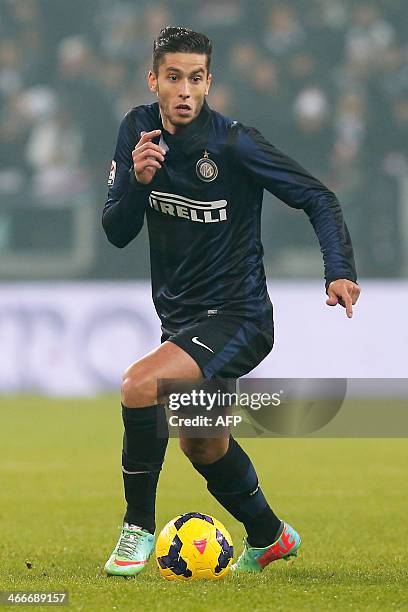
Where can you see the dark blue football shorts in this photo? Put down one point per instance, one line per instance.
(224, 346)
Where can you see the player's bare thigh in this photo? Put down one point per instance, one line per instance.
(139, 385)
(139, 389)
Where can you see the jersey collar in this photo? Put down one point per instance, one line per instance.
(194, 135)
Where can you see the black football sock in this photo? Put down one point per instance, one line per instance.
(232, 480)
(144, 446)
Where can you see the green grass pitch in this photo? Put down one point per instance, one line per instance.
(61, 505)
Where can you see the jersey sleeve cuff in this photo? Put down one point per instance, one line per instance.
(134, 183)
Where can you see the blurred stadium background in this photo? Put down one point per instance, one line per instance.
(324, 80)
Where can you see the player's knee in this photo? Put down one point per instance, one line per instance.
(203, 451)
(138, 391)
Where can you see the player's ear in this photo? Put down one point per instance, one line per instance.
(208, 84)
(152, 81)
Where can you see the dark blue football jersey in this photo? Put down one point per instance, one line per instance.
(203, 211)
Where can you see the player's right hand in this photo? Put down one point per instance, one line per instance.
(147, 157)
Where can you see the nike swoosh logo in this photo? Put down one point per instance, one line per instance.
(196, 341)
(125, 563)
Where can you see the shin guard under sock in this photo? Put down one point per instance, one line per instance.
(232, 480)
(144, 446)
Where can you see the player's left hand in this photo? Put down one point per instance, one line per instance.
(344, 292)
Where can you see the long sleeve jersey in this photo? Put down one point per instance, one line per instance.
(203, 210)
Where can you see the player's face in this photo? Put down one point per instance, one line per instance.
(181, 86)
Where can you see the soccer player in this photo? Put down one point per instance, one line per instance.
(198, 178)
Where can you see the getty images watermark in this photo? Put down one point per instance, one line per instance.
(208, 401)
(215, 402)
(249, 407)
(271, 407)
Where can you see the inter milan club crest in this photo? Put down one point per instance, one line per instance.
(206, 169)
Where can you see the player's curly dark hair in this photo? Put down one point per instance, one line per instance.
(174, 39)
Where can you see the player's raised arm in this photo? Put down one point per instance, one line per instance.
(292, 184)
(147, 157)
(128, 195)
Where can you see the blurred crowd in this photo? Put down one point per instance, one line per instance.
(324, 80)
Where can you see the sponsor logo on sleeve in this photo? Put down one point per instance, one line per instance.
(112, 173)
